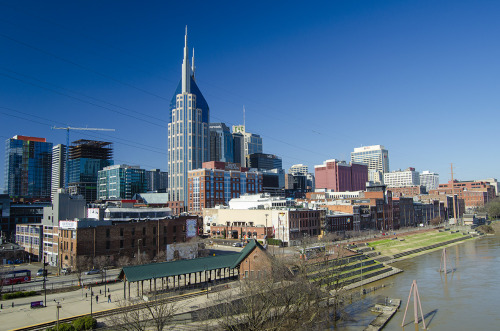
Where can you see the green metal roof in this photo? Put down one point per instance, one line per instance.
(182, 267)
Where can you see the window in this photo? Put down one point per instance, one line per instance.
(133, 233)
(107, 233)
(121, 232)
(143, 242)
(133, 243)
(121, 243)
(144, 231)
(108, 244)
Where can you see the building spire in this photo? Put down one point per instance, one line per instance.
(192, 64)
(186, 70)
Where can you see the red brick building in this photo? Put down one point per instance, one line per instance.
(218, 182)
(407, 191)
(339, 176)
(474, 194)
(89, 239)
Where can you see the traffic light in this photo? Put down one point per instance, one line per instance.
(45, 272)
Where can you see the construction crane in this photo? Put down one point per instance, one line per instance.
(67, 144)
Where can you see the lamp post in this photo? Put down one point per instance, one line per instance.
(58, 306)
(91, 294)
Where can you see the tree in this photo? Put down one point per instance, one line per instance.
(83, 263)
(493, 208)
(140, 316)
(277, 300)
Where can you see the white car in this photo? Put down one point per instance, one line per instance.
(237, 245)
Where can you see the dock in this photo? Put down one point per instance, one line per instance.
(386, 311)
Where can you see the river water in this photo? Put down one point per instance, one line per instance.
(466, 299)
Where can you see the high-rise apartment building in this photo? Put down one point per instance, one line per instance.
(298, 169)
(252, 143)
(121, 182)
(58, 168)
(376, 157)
(430, 180)
(28, 163)
(400, 178)
(221, 143)
(157, 181)
(86, 158)
(339, 176)
(188, 133)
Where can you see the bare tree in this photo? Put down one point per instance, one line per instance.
(83, 263)
(141, 316)
(277, 300)
(123, 261)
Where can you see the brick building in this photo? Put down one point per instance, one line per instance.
(91, 238)
(474, 194)
(407, 191)
(339, 176)
(218, 182)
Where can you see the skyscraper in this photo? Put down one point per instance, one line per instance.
(221, 143)
(157, 180)
(252, 143)
(188, 135)
(28, 163)
(86, 158)
(376, 157)
(58, 168)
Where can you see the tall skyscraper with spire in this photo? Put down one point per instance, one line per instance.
(188, 131)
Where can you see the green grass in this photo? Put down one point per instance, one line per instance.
(388, 246)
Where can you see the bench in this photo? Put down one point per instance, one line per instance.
(36, 304)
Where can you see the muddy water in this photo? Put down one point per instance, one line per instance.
(467, 299)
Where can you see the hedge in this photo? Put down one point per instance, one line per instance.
(20, 294)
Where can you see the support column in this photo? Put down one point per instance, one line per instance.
(142, 288)
(155, 284)
(124, 289)
(129, 290)
(137, 289)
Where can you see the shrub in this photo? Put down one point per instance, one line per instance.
(21, 294)
(85, 323)
(272, 241)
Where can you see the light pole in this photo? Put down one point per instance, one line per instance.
(58, 306)
(91, 294)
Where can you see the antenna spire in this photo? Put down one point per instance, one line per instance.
(192, 64)
(244, 116)
(186, 70)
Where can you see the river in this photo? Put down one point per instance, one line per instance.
(463, 300)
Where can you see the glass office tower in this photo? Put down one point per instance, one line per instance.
(28, 164)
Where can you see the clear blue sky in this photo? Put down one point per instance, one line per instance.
(316, 78)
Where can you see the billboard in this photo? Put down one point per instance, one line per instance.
(191, 228)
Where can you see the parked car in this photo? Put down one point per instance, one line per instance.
(39, 272)
(237, 245)
(65, 271)
(93, 272)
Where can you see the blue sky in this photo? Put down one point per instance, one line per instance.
(316, 78)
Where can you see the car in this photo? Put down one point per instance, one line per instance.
(65, 271)
(237, 245)
(39, 272)
(93, 272)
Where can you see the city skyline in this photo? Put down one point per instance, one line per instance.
(315, 84)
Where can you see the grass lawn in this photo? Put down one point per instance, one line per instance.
(391, 247)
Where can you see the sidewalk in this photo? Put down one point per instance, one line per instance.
(73, 303)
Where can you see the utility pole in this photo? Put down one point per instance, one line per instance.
(67, 144)
(453, 195)
(44, 282)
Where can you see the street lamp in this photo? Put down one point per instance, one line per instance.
(58, 306)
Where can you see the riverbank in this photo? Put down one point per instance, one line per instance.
(406, 246)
